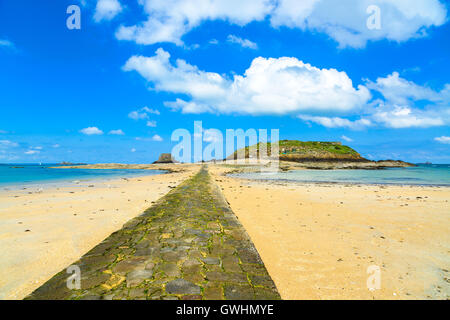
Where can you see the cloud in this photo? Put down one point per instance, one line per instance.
(107, 10)
(157, 138)
(31, 152)
(117, 132)
(344, 21)
(194, 46)
(151, 124)
(6, 43)
(8, 46)
(400, 106)
(345, 138)
(212, 135)
(336, 122)
(133, 150)
(169, 20)
(403, 104)
(443, 139)
(404, 117)
(290, 86)
(245, 43)
(91, 131)
(3, 132)
(150, 111)
(136, 115)
(400, 91)
(153, 138)
(269, 86)
(8, 144)
(142, 113)
(56, 146)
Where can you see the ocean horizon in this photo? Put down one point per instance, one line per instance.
(422, 174)
(14, 174)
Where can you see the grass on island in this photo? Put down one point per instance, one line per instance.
(314, 149)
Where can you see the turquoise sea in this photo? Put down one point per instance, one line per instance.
(433, 174)
(24, 174)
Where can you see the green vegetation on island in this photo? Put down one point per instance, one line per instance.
(294, 150)
(318, 155)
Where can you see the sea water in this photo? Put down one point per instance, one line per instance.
(434, 174)
(24, 174)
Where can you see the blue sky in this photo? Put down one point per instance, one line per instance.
(116, 89)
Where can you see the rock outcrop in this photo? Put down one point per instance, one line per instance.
(165, 158)
(320, 155)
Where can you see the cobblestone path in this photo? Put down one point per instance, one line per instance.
(189, 245)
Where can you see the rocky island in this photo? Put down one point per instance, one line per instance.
(165, 158)
(295, 154)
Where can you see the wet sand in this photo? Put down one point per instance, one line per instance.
(317, 240)
(42, 232)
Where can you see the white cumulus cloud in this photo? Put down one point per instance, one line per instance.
(169, 20)
(151, 123)
(399, 107)
(443, 139)
(268, 86)
(400, 91)
(157, 138)
(91, 131)
(403, 104)
(344, 21)
(398, 117)
(345, 138)
(31, 152)
(118, 132)
(142, 113)
(279, 86)
(245, 43)
(337, 122)
(8, 143)
(212, 135)
(107, 10)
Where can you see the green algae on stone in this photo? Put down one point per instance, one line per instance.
(189, 245)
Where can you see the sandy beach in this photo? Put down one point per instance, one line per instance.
(42, 232)
(317, 240)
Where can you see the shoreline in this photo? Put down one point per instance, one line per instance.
(306, 182)
(199, 257)
(317, 240)
(43, 232)
(246, 171)
(70, 182)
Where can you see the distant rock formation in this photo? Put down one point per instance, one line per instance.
(300, 151)
(165, 158)
(320, 155)
(65, 163)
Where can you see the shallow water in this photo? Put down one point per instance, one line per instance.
(21, 174)
(421, 175)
